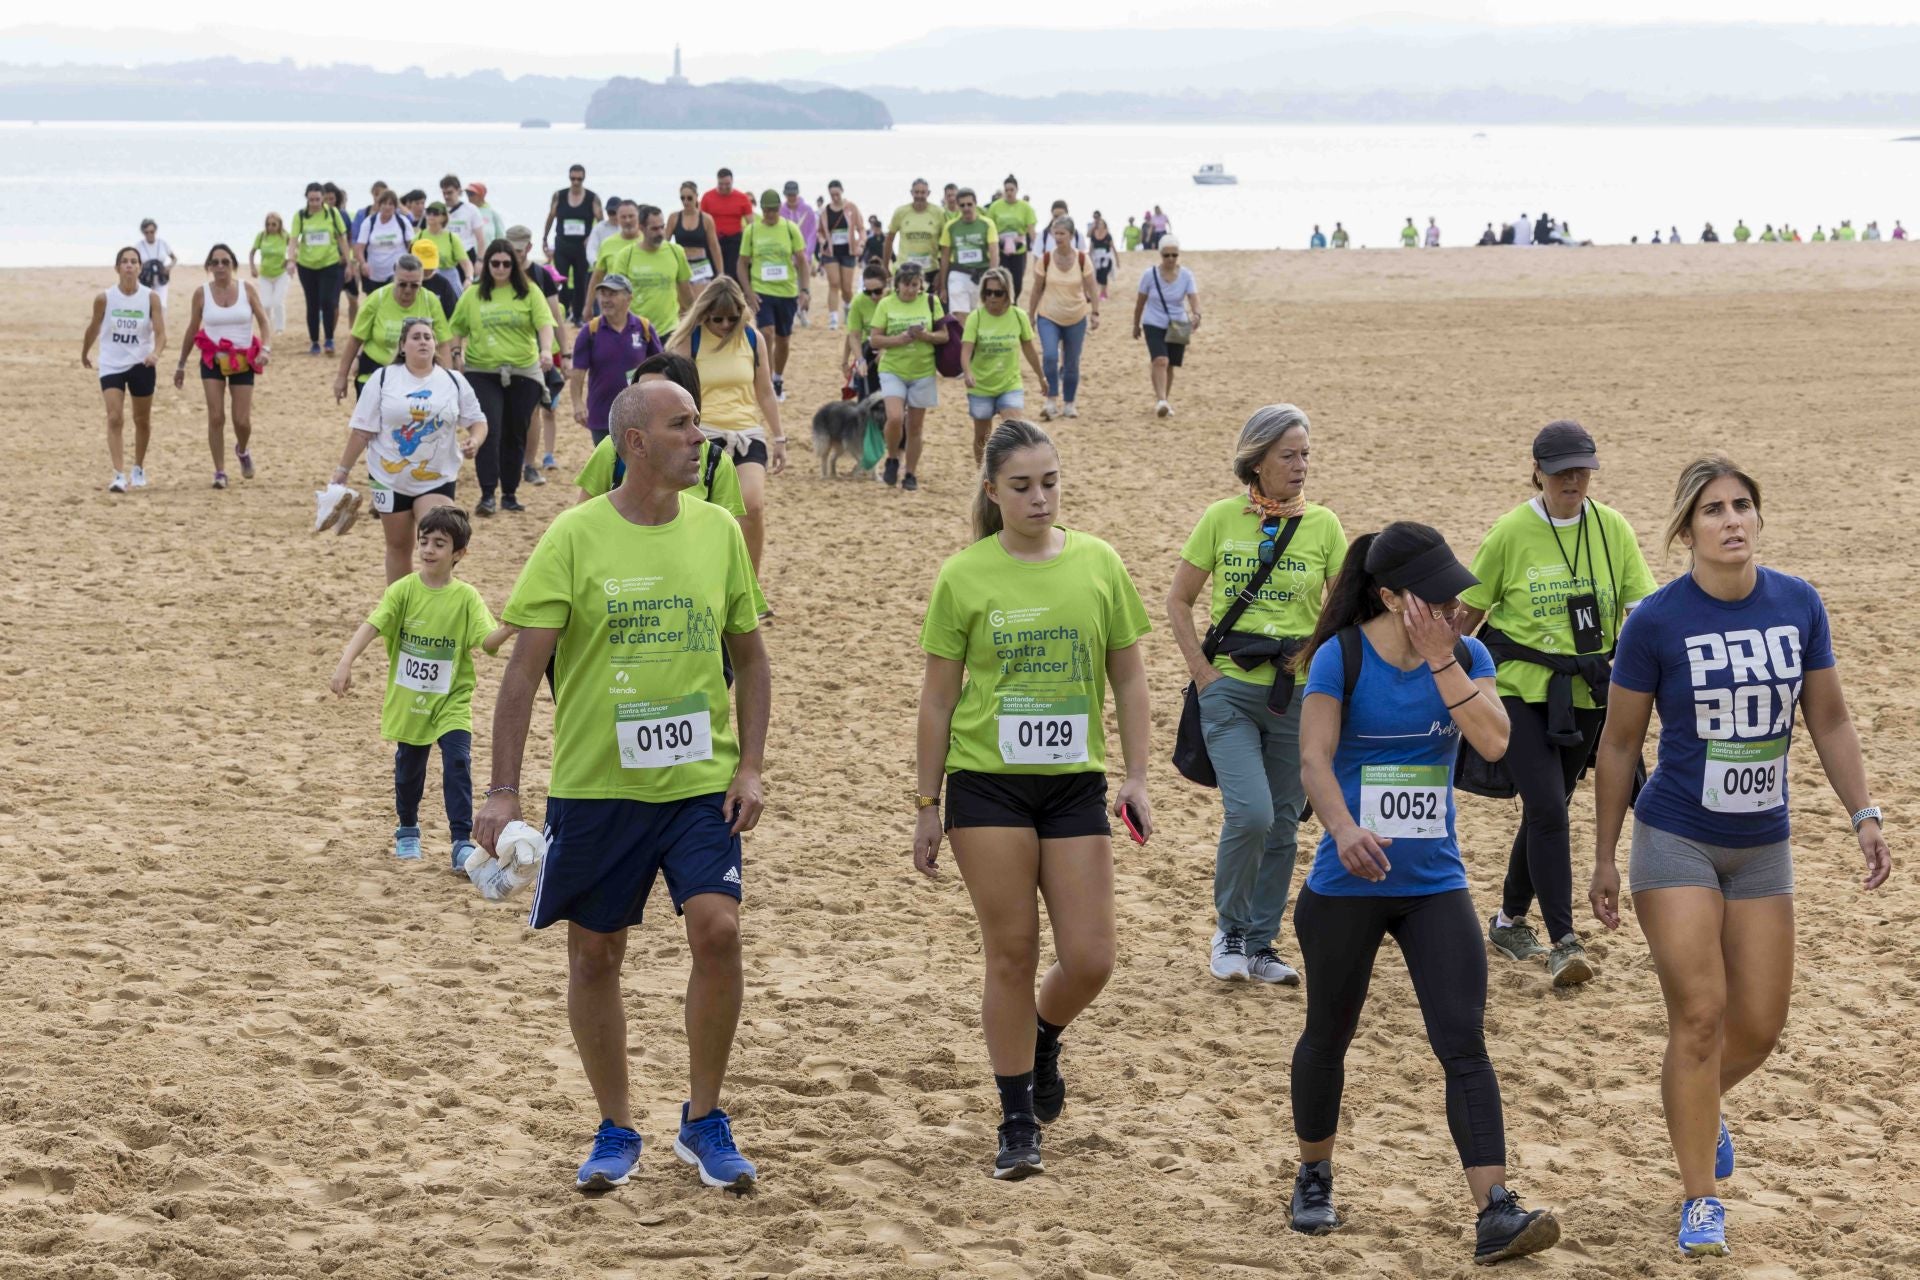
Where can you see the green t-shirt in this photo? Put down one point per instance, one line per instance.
(431, 634)
(1016, 222)
(1035, 639)
(272, 248)
(655, 276)
(893, 318)
(969, 241)
(1525, 582)
(919, 234)
(640, 708)
(597, 477)
(996, 349)
(772, 249)
(504, 330)
(860, 315)
(381, 316)
(1740, 233)
(1409, 236)
(451, 248)
(1226, 546)
(1131, 237)
(317, 237)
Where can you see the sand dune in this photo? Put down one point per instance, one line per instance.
(240, 1041)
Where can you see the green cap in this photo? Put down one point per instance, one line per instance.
(769, 198)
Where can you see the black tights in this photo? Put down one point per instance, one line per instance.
(321, 288)
(1440, 941)
(571, 261)
(1541, 863)
(509, 411)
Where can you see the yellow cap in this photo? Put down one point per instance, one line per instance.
(428, 253)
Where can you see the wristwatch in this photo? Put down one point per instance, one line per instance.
(924, 802)
(1871, 811)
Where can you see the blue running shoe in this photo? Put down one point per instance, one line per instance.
(1703, 1229)
(461, 848)
(1723, 1152)
(707, 1145)
(406, 843)
(615, 1152)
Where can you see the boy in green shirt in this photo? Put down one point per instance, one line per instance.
(432, 623)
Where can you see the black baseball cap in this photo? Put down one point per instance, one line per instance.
(1562, 446)
(1406, 556)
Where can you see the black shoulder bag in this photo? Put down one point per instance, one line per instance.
(1190, 740)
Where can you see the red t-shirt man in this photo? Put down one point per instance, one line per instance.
(728, 208)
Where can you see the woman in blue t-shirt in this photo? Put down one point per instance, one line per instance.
(1726, 652)
(1376, 755)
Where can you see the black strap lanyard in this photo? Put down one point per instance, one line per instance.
(1579, 540)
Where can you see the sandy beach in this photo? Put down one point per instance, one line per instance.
(240, 1041)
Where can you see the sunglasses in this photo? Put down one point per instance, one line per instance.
(1271, 528)
(723, 320)
(874, 293)
(220, 262)
(500, 262)
(993, 293)
(1169, 256)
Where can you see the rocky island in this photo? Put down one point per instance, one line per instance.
(625, 103)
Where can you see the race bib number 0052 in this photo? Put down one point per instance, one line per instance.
(1035, 729)
(659, 735)
(1404, 801)
(1744, 777)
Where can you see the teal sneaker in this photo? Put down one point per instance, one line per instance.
(406, 843)
(461, 848)
(1703, 1229)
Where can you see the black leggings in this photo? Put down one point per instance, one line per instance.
(1016, 265)
(1439, 938)
(570, 260)
(321, 287)
(1541, 863)
(509, 411)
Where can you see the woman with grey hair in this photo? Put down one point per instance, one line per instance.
(1274, 549)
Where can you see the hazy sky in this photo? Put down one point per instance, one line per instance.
(503, 29)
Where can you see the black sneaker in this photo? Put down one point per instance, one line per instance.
(1049, 1090)
(908, 483)
(1505, 1230)
(1019, 1149)
(1313, 1212)
(484, 507)
(511, 504)
(891, 472)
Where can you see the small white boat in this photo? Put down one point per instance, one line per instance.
(1214, 175)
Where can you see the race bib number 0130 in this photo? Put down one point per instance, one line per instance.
(1744, 777)
(1035, 729)
(659, 735)
(422, 672)
(1404, 801)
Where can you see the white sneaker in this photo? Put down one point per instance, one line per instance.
(1069, 411)
(1266, 966)
(119, 484)
(1229, 957)
(1163, 410)
(139, 480)
(833, 320)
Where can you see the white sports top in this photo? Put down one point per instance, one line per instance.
(234, 323)
(126, 334)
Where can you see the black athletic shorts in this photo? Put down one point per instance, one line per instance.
(1057, 806)
(137, 381)
(211, 373)
(777, 314)
(399, 502)
(1158, 347)
(844, 258)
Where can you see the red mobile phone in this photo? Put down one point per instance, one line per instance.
(1133, 824)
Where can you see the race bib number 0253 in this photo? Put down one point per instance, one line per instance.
(1404, 801)
(659, 735)
(1035, 729)
(423, 673)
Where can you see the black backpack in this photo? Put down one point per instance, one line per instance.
(1472, 772)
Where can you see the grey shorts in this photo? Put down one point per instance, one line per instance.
(1663, 860)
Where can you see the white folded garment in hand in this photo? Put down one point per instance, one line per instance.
(335, 507)
(522, 844)
(515, 863)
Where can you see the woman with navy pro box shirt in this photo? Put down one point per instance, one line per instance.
(1726, 652)
(1390, 690)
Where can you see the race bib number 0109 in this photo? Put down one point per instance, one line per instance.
(423, 673)
(1744, 777)
(1404, 801)
(659, 735)
(1036, 729)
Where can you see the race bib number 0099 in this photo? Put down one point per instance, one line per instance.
(1404, 801)
(1035, 729)
(659, 735)
(1744, 777)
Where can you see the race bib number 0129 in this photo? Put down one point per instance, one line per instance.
(1041, 730)
(659, 735)
(1404, 801)
(1744, 777)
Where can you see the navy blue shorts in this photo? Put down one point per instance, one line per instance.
(603, 855)
(777, 314)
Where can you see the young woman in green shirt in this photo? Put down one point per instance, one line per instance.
(267, 264)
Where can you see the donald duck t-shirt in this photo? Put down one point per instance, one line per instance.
(415, 424)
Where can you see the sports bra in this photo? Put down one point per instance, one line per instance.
(690, 240)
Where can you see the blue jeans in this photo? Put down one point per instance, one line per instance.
(1257, 756)
(456, 781)
(1062, 367)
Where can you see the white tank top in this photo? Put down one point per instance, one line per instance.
(234, 323)
(126, 334)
